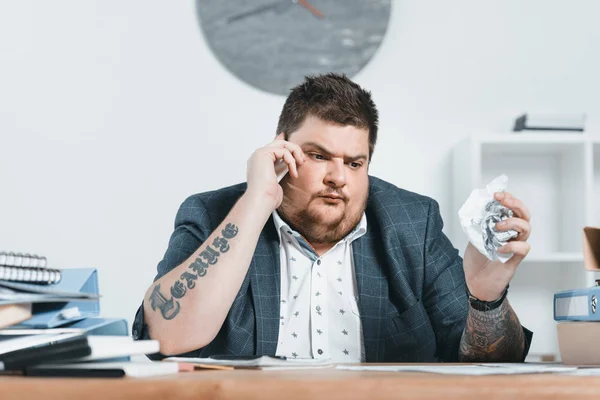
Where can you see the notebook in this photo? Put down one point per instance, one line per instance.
(25, 351)
(69, 348)
(20, 267)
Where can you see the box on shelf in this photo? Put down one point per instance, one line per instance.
(591, 248)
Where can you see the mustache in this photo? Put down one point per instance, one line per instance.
(323, 193)
(331, 193)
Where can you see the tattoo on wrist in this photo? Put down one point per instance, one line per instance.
(494, 335)
(169, 308)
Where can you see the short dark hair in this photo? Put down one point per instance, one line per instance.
(332, 98)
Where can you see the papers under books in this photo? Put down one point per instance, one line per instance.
(255, 362)
(107, 347)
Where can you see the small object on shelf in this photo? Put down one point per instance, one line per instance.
(549, 122)
(591, 249)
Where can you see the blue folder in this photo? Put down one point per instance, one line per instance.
(102, 326)
(91, 326)
(52, 315)
(577, 304)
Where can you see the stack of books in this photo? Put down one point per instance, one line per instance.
(577, 311)
(50, 324)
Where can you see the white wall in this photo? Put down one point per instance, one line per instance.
(112, 112)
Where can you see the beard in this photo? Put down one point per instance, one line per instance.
(309, 221)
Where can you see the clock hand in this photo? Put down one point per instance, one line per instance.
(277, 6)
(310, 7)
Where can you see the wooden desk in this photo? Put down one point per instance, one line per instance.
(310, 384)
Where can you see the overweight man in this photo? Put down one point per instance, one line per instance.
(329, 262)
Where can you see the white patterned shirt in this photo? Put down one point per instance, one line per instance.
(319, 311)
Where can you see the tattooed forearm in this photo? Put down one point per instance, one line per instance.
(169, 308)
(494, 335)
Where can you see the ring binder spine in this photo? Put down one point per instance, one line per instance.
(24, 267)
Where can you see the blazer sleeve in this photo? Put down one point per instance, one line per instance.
(444, 292)
(192, 228)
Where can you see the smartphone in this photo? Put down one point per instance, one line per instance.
(284, 170)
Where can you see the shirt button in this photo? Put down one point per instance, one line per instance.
(320, 351)
(318, 262)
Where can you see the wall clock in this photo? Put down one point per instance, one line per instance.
(273, 44)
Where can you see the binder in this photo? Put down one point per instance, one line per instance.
(582, 304)
(28, 351)
(91, 326)
(54, 314)
(23, 267)
(577, 304)
(102, 326)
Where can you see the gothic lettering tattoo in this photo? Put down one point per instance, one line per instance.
(210, 254)
(199, 267)
(494, 335)
(221, 244)
(230, 231)
(168, 308)
(190, 278)
(178, 289)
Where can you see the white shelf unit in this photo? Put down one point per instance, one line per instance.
(557, 175)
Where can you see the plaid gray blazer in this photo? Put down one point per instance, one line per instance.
(411, 284)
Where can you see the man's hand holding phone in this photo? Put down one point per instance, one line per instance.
(268, 165)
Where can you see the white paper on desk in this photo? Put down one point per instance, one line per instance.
(585, 371)
(471, 369)
(107, 347)
(264, 362)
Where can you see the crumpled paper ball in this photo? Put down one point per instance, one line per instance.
(478, 218)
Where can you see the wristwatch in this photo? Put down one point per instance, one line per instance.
(481, 305)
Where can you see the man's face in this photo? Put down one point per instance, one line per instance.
(328, 198)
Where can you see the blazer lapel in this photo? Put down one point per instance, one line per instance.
(265, 281)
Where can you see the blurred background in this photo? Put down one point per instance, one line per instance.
(113, 112)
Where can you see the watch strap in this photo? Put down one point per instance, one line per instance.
(481, 305)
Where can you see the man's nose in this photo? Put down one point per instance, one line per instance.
(336, 173)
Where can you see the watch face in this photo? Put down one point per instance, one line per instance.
(273, 44)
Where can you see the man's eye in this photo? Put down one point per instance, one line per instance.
(318, 156)
(355, 165)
